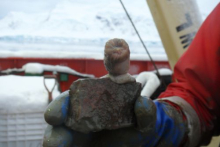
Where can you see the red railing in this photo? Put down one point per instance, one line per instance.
(88, 66)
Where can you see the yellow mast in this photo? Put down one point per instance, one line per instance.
(177, 22)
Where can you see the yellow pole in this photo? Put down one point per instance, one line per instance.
(177, 22)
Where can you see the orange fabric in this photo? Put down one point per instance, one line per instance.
(198, 74)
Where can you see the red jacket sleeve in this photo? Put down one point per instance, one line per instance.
(197, 74)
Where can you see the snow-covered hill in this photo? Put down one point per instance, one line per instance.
(78, 26)
(80, 19)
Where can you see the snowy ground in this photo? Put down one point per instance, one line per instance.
(23, 101)
(24, 94)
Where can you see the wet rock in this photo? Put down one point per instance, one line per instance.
(97, 104)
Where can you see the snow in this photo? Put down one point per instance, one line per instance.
(92, 20)
(78, 28)
(74, 29)
(38, 68)
(78, 55)
(24, 94)
(164, 71)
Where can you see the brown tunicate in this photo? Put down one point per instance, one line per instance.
(117, 56)
(97, 104)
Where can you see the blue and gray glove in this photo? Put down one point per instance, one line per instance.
(158, 124)
(57, 134)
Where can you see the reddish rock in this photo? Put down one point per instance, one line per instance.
(97, 104)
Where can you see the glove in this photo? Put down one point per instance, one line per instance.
(57, 134)
(60, 136)
(158, 124)
(56, 111)
(166, 127)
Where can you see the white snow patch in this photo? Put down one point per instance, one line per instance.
(78, 55)
(38, 68)
(164, 71)
(24, 94)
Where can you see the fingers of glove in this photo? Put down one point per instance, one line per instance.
(56, 111)
(123, 137)
(57, 136)
(145, 112)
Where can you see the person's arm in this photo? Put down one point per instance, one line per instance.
(197, 86)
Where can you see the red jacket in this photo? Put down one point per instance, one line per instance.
(197, 75)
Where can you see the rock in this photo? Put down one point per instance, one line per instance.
(98, 104)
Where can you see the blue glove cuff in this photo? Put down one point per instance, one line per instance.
(170, 127)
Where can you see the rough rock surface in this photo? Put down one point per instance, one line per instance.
(97, 104)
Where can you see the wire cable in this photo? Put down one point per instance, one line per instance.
(157, 72)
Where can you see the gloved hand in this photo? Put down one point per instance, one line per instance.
(57, 134)
(165, 127)
(158, 124)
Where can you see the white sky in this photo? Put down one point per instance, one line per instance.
(30, 6)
